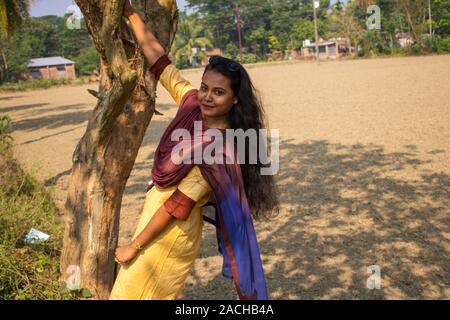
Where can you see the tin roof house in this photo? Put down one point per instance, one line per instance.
(328, 49)
(51, 68)
(404, 39)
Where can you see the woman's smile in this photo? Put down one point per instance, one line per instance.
(207, 107)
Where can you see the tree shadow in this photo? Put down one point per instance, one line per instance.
(53, 121)
(59, 109)
(345, 208)
(23, 107)
(51, 135)
(10, 97)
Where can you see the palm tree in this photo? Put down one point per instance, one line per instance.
(12, 13)
(190, 35)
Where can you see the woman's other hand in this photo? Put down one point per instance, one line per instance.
(128, 10)
(126, 253)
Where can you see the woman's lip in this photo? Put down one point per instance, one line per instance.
(207, 107)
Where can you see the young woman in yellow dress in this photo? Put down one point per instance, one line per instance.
(167, 239)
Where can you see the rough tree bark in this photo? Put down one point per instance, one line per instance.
(3, 66)
(106, 153)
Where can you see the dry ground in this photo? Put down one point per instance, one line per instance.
(364, 175)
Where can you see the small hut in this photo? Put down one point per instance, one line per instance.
(51, 68)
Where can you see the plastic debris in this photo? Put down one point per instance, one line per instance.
(36, 236)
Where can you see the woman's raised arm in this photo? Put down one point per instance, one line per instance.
(155, 54)
(150, 45)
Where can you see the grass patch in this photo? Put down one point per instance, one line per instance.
(22, 85)
(26, 271)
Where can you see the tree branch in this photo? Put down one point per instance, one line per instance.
(124, 78)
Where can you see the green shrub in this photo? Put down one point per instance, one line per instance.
(443, 45)
(250, 58)
(22, 85)
(5, 125)
(5, 129)
(415, 49)
(372, 44)
(27, 271)
(87, 61)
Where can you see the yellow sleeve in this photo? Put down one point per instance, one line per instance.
(194, 185)
(174, 83)
(190, 190)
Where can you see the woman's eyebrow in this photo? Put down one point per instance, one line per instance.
(204, 84)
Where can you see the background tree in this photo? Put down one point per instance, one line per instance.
(216, 16)
(106, 153)
(365, 3)
(441, 16)
(12, 13)
(190, 35)
(87, 61)
(258, 41)
(416, 12)
(343, 22)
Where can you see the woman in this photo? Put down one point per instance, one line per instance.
(167, 240)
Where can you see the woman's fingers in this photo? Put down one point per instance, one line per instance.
(123, 255)
(119, 258)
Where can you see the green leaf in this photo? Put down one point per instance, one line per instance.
(85, 293)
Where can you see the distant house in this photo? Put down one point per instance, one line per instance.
(331, 49)
(51, 67)
(404, 39)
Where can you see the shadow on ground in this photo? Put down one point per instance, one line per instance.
(344, 209)
(60, 116)
(9, 97)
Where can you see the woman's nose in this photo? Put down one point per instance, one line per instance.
(209, 96)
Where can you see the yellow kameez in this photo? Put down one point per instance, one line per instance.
(160, 270)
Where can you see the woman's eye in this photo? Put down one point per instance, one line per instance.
(217, 92)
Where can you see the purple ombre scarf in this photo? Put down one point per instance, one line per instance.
(234, 227)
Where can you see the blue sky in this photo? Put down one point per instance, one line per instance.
(59, 7)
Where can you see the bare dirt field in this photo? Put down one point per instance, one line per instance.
(364, 175)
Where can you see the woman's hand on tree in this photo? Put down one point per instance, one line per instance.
(128, 10)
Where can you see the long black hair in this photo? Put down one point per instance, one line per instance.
(247, 114)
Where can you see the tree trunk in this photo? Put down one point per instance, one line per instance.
(105, 155)
(410, 21)
(3, 67)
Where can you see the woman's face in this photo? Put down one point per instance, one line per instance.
(216, 98)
